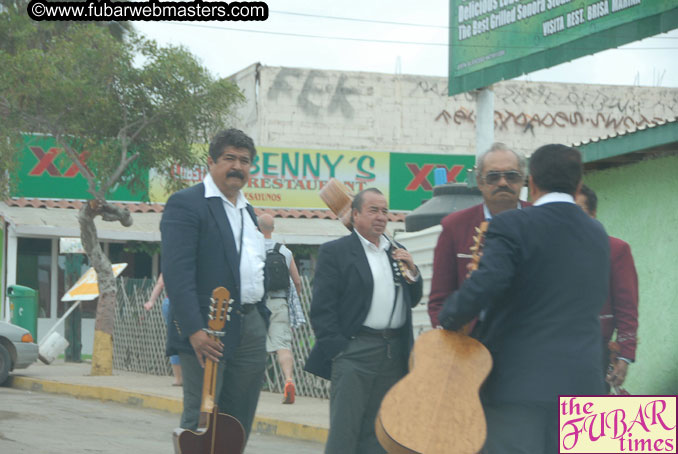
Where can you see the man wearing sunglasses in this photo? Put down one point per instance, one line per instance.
(500, 176)
(541, 282)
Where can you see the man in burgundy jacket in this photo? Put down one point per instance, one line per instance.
(620, 311)
(500, 176)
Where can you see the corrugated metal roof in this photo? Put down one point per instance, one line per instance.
(631, 145)
(657, 123)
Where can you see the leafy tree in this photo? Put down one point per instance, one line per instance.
(129, 104)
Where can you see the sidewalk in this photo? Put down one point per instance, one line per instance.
(306, 419)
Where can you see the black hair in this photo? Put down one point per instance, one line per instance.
(591, 198)
(231, 138)
(556, 168)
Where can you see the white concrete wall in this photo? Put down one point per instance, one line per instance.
(245, 116)
(371, 111)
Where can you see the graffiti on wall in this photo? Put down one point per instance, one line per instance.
(316, 92)
(314, 96)
(581, 97)
(505, 118)
(620, 100)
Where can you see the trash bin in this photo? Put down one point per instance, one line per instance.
(23, 308)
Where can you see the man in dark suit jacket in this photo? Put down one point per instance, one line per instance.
(210, 239)
(362, 319)
(542, 279)
(500, 174)
(620, 311)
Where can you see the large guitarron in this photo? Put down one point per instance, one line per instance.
(217, 433)
(435, 408)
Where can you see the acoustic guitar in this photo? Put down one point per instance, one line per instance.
(217, 433)
(435, 408)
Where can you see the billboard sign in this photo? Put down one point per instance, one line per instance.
(293, 177)
(411, 176)
(492, 40)
(46, 171)
(284, 177)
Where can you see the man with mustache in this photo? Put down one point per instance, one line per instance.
(210, 239)
(361, 314)
(541, 283)
(500, 175)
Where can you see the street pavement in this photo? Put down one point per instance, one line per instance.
(306, 419)
(42, 423)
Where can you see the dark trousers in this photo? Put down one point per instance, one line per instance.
(529, 428)
(361, 376)
(239, 379)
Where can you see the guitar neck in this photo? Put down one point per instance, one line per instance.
(209, 386)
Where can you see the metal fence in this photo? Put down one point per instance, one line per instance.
(139, 340)
(139, 335)
(303, 340)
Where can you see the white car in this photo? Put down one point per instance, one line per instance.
(17, 349)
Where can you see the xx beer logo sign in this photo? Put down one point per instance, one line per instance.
(411, 176)
(46, 162)
(420, 175)
(46, 171)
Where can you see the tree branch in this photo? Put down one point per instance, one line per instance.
(124, 163)
(84, 170)
(108, 212)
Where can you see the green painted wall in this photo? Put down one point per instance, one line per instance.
(639, 204)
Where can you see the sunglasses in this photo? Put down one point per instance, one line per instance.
(511, 177)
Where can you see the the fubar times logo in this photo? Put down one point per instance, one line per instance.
(617, 424)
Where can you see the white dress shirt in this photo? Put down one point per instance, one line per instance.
(553, 197)
(253, 254)
(383, 291)
(488, 215)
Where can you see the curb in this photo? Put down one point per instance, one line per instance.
(288, 429)
(98, 392)
(261, 425)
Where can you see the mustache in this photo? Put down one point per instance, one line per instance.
(236, 173)
(504, 189)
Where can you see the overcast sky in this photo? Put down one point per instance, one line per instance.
(227, 47)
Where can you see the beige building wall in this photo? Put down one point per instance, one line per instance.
(314, 109)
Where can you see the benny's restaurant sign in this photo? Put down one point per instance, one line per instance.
(292, 178)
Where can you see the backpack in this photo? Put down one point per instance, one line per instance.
(276, 273)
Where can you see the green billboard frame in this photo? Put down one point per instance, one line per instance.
(586, 45)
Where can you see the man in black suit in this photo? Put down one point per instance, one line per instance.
(362, 319)
(210, 239)
(542, 280)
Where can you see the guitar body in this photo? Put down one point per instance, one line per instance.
(435, 408)
(217, 433)
(224, 435)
